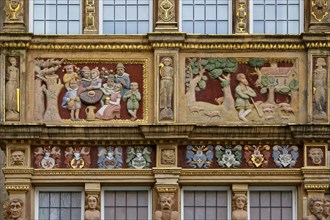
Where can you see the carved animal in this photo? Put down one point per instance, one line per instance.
(269, 110)
(269, 117)
(212, 114)
(268, 105)
(287, 109)
(283, 104)
(285, 117)
(196, 109)
(219, 100)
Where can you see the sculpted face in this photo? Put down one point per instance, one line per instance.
(316, 154)
(15, 210)
(134, 86)
(120, 71)
(167, 61)
(69, 69)
(317, 208)
(240, 202)
(326, 208)
(166, 202)
(17, 157)
(73, 84)
(92, 202)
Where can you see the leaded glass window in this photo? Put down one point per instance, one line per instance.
(199, 204)
(206, 16)
(277, 16)
(56, 16)
(126, 16)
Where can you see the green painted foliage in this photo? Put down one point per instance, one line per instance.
(294, 85)
(256, 62)
(202, 84)
(218, 66)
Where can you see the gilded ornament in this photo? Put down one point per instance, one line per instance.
(319, 9)
(14, 10)
(17, 187)
(166, 10)
(257, 155)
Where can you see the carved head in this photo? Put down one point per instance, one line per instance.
(14, 3)
(320, 62)
(120, 69)
(69, 68)
(118, 87)
(167, 61)
(165, 201)
(73, 84)
(17, 158)
(16, 208)
(12, 61)
(85, 72)
(134, 86)
(95, 73)
(241, 78)
(92, 202)
(326, 208)
(316, 154)
(316, 207)
(239, 202)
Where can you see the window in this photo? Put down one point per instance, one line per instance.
(59, 203)
(126, 203)
(277, 16)
(272, 203)
(55, 16)
(206, 16)
(126, 16)
(205, 203)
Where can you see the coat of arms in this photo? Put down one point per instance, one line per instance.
(47, 157)
(199, 156)
(138, 157)
(285, 156)
(257, 155)
(228, 156)
(110, 157)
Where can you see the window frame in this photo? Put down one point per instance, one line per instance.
(39, 189)
(31, 18)
(126, 189)
(230, 19)
(205, 189)
(301, 18)
(293, 190)
(151, 13)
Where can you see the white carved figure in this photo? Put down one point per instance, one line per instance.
(12, 86)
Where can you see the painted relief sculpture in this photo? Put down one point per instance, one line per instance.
(257, 155)
(133, 97)
(228, 156)
(285, 156)
(17, 158)
(165, 202)
(239, 207)
(92, 210)
(320, 79)
(138, 157)
(166, 72)
(14, 10)
(319, 9)
(110, 157)
(47, 157)
(12, 90)
(264, 91)
(87, 92)
(77, 157)
(316, 154)
(47, 84)
(13, 209)
(315, 206)
(199, 156)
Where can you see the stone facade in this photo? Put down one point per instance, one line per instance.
(165, 110)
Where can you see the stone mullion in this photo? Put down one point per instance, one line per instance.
(90, 16)
(241, 16)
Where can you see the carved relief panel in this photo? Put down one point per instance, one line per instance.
(18, 156)
(14, 10)
(319, 10)
(316, 155)
(84, 91)
(241, 90)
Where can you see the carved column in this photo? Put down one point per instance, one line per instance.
(166, 16)
(239, 201)
(319, 20)
(92, 200)
(166, 193)
(241, 16)
(91, 16)
(14, 19)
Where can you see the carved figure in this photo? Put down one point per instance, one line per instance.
(166, 213)
(199, 156)
(13, 209)
(92, 208)
(285, 156)
(239, 207)
(123, 78)
(90, 88)
(71, 100)
(108, 88)
(14, 10)
(12, 90)
(228, 156)
(319, 89)
(69, 75)
(47, 157)
(316, 154)
(138, 157)
(326, 208)
(315, 206)
(132, 97)
(166, 72)
(243, 93)
(77, 158)
(17, 158)
(110, 157)
(111, 107)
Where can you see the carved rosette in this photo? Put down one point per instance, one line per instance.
(90, 17)
(319, 10)
(242, 16)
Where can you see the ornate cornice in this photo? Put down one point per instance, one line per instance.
(18, 187)
(172, 171)
(241, 172)
(88, 46)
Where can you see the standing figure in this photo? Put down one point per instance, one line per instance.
(92, 209)
(243, 93)
(71, 100)
(12, 86)
(239, 203)
(111, 107)
(315, 206)
(69, 74)
(166, 73)
(108, 88)
(319, 87)
(165, 213)
(122, 77)
(132, 97)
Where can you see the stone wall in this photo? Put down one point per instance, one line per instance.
(3, 192)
